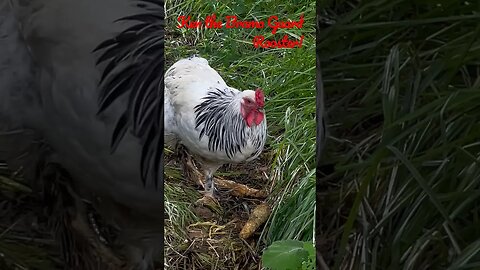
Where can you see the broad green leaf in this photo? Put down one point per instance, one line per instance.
(285, 255)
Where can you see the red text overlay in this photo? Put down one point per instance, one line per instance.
(232, 22)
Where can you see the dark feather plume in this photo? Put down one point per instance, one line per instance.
(135, 67)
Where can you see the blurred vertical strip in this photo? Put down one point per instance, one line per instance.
(321, 137)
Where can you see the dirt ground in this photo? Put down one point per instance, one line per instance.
(214, 241)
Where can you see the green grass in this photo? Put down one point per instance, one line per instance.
(288, 78)
(403, 99)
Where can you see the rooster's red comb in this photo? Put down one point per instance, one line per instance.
(259, 97)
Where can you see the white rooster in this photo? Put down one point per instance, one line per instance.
(218, 124)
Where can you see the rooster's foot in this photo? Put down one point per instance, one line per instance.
(209, 201)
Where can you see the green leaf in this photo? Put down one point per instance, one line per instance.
(311, 262)
(308, 246)
(285, 255)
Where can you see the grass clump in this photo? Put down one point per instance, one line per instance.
(402, 86)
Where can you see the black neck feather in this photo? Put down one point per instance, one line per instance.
(218, 117)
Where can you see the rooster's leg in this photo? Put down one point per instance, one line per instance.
(209, 170)
(209, 186)
(208, 198)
